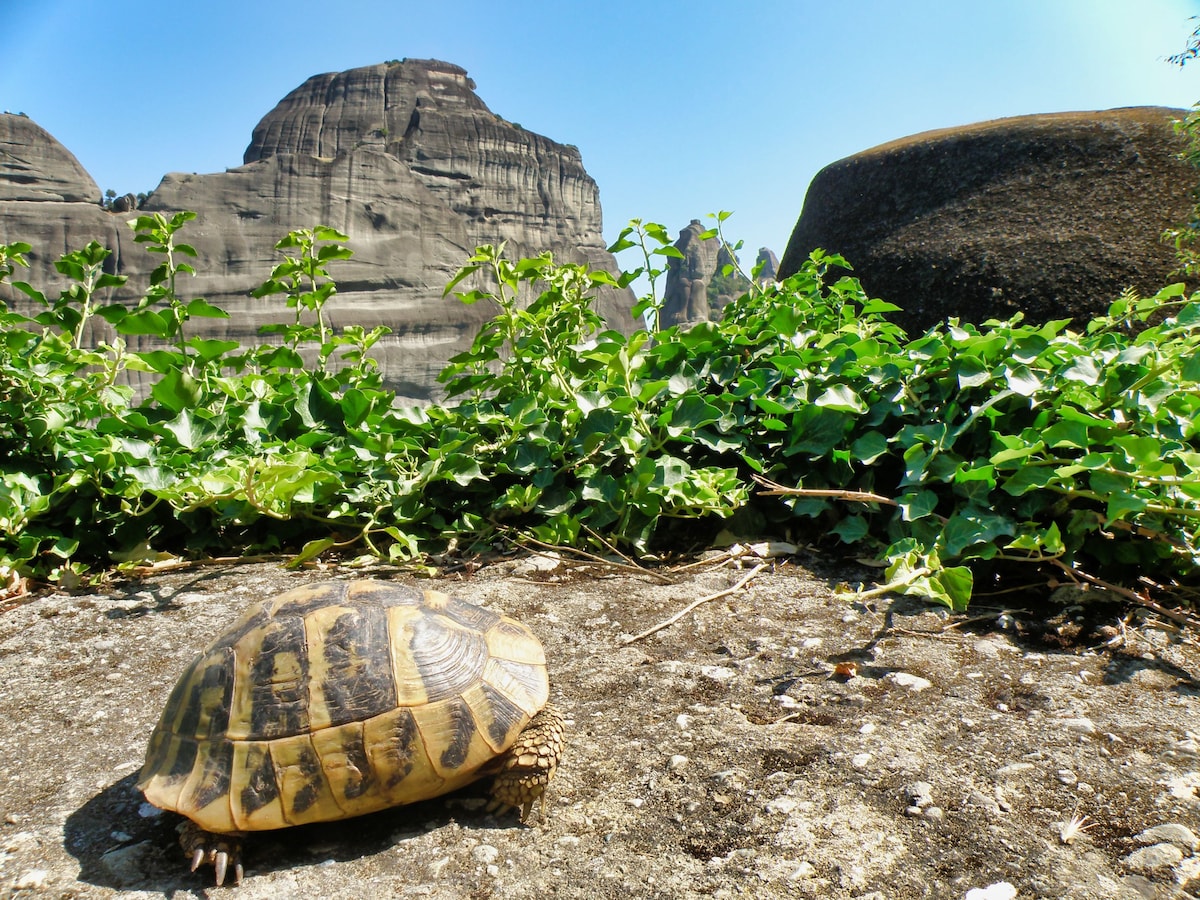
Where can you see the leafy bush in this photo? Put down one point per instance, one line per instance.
(963, 454)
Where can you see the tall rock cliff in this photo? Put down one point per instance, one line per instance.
(1051, 215)
(47, 199)
(697, 285)
(403, 157)
(685, 297)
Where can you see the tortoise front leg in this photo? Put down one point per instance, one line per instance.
(529, 764)
(209, 848)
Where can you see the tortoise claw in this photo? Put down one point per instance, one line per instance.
(222, 851)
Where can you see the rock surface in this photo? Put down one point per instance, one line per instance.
(403, 157)
(37, 168)
(685, 297)
(1053, 215)
(771, 743)
(768, 262)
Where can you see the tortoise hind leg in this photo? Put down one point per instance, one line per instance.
(529, 764)
(221, 851)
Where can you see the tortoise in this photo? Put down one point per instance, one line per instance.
(342, 698)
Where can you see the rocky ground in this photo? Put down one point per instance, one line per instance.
(778, 741)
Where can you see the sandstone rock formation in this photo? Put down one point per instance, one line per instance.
(35, 167)
(685, 298)
(767, 264)
(696, 285)
(47, 199)
(403, 157)
(1053, 215)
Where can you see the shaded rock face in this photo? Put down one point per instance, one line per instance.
(405, 159)
(685, 298)
(1053, 215)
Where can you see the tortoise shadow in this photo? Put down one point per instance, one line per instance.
(119, 846)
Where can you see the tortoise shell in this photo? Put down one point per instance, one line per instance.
(339, 699)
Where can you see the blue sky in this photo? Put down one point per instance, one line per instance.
(679, 108)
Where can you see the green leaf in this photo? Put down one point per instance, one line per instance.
(971, 526)
(148, 321)
(851, 529)
(917, 504)
(1022, 380)
(177, 390)
(201, 308)
(972, 373)
(310, 551)
(868, 447)
(1083, 370)
(842, 398)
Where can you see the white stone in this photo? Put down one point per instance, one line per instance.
(1001, 890)
(1152, 859)
(908, 680)
(33, 880)
(1171, 833)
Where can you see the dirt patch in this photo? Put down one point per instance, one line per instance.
(778, 742)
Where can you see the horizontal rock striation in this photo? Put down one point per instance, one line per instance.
(403, 157)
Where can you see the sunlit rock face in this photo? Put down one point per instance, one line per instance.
(403, 157)
(1052, 215)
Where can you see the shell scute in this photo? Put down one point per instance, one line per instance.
(339, 699)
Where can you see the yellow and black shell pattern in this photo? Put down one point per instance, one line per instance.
(339, 699)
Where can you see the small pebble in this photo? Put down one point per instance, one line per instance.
(861, 760)
(1079, 726)
(486, 853)
(1066, 776)
(1005, 772)
(1171, 833)
(804, 870)
(719, 674)
(677, 762)
(908, 680)
(1001, 890)
(934, 813)
(33, 880)
(986, 649)
(782, 805)
(1157, 858)
(919, 793)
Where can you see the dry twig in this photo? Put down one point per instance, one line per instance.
(774, 489)
(1139, 599)
(585, 558)
(667, 623)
